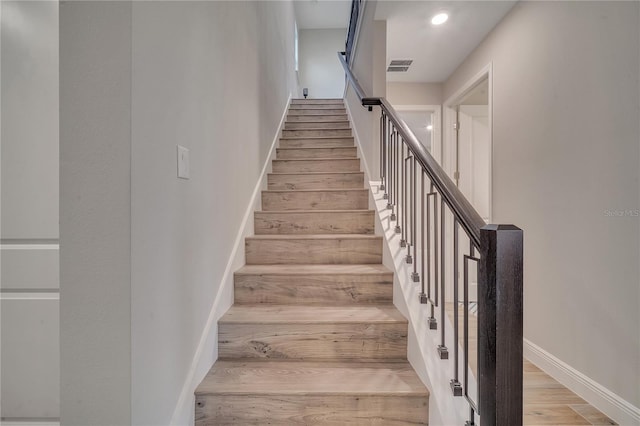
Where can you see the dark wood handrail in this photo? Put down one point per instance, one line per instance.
(468, 217)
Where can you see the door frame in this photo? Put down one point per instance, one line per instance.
(436, 110)
(449, 147)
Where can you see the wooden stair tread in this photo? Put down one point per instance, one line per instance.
(318, 173)
(362, 269)
(284, 314)
(317, 137)
(289, 191)
(315, 159)
(293, 212)
(316, 237)
(311, 378)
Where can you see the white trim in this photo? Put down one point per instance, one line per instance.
(18, 246)
(611, 404)
(192, 380)
(449, 119)
(30, 296)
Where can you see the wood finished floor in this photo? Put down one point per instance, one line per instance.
(546, 401)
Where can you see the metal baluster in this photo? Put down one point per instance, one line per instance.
(392, 191)
(467, 259)
(403, 194)
(399, 211)
(424, 254)
(472, 418)
(396, 205)
(442, 348)
(414, 211)
(433, 324)
(455, 383)
(382, 186)
(387, 188)
(408, 207)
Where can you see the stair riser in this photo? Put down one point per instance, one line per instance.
(316, 118)
(303, 341)
(317, 125)
(317, 101)
(316, 107)
(311, 166)
(313, 251)
(311, 133)
(320, 410)
(315, 181)
(324, 289)
(311, 112)
(314, 223)
(285, 154)
(315, 200)
(317, 143)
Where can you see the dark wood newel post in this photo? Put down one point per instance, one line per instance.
(500, 326)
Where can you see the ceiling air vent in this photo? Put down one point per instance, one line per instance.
(399, 65)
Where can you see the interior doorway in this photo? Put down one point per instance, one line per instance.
(467, 153)
(468, 142)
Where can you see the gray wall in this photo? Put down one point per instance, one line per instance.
(319, 68)
(95, 212)
(29, 280)
(565, 151)
(414, 93)
(144, 253)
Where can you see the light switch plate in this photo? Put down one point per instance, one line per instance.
(183, 162)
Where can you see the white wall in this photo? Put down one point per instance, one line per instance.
(414, 93)
(214, 77)
(29, 281)
(565, 151)
(319, 68)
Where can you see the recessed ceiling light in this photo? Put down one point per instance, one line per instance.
(439, 19)
(429, 127)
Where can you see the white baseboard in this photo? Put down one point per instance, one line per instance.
(614, 406)
(183, 413)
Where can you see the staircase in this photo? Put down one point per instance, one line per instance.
(313, 337)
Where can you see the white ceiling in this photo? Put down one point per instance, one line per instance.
(436, 51)
(319, 14)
